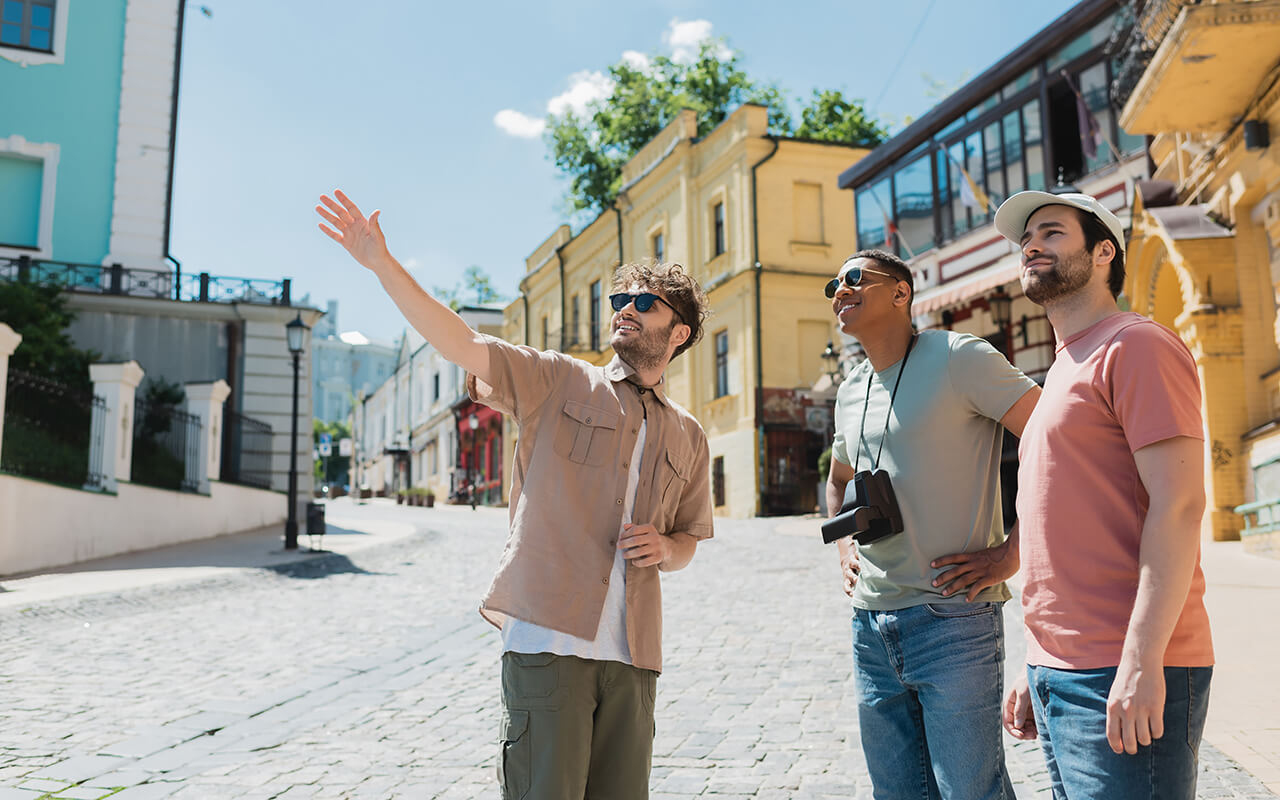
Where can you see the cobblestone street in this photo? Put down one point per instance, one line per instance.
(372, 676)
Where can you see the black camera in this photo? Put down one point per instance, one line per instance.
(870, 515)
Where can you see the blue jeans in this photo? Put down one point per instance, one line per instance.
(930, 681)
(1071, 716)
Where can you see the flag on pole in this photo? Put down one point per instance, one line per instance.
(890, 231)
(971, 195)
(1090, 130)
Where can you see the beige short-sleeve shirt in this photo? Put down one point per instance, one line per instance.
(578, 427)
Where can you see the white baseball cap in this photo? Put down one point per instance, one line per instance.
(1012, 216)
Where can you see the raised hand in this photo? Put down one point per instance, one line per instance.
(361, 237)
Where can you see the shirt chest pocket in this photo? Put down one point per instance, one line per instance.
(586, 435)
(674, 476)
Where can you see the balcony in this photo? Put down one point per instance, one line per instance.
(1195, 66)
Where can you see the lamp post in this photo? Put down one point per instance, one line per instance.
(473, 422)
(1001, 307)
(831, 357)
(295, 335)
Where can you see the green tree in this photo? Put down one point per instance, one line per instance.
(589, 150)
(40, 314)
(829, 117)
(334, 468)
(476, 282)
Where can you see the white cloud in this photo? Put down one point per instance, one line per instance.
(685, 37)
(584, 87)
(636, 60)
(518, 124)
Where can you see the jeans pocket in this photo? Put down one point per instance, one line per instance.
(514, 770)
(956, 610)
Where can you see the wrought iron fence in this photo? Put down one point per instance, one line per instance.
(52, 431)
(1151, 20)
(246, 458)
(166, 446)
(160, 284)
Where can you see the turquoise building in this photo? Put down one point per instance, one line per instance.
(87, 101)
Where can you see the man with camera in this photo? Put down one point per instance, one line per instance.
(1110, 501)
(611, 483)
(915, 477)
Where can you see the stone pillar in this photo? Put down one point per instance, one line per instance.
(116, 384)
(205, 400)
(9, 341)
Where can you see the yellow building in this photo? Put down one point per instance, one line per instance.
(1204, 255)
(759, 221)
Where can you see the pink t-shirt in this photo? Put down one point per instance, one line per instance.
(1122, 384)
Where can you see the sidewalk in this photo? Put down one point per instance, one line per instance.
(261, 549)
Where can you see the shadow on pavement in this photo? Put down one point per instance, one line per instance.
(322, 564)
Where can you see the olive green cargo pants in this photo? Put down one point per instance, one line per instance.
(574, 728)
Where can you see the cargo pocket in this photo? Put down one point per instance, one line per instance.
(514, 773)
(675, 478)
(586, 435)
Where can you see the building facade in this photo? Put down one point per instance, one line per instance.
(85, 202)
(344, 364)
(1204, 256)
(414, 430)
(759, 221)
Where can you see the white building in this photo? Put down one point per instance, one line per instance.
(406, 430)
(343, 366)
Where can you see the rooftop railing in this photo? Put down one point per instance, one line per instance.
(115, 279)
(1152, 20)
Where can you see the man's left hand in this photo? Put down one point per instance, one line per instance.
(1135, 707)
(644, 545)
(976, 571)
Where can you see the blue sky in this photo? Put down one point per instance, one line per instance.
(429, 111)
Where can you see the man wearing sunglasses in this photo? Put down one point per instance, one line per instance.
(930, 410)
(611, 484)
(1110, 501)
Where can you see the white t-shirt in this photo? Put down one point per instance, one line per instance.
(610, 643)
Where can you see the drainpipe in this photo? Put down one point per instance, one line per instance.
(758, 268)
(173, 142)
(524, 298)
(618, 211)
(563, 301)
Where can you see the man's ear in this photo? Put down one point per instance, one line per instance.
(901, 294)
(681, 334)
(1104, 253)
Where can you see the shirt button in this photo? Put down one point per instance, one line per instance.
(619, 501)
(625, 464)
(613, 541)
(635, 430)
(604, 580)
(588, 420)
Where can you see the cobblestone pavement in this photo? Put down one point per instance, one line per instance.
(373, 677)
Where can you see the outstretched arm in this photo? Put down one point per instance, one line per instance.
(437, 323)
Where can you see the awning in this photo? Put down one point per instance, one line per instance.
(970, 286)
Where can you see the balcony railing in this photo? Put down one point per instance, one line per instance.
(1152, 20)
(115, 279)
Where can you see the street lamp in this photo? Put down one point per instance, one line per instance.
(473, 422)
(295, 335)
(831, 357)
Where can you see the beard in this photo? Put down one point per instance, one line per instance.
(1059, 279)
(646, 350)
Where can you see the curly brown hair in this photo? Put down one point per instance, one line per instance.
(675, 286)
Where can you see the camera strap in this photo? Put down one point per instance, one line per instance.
(887, 415)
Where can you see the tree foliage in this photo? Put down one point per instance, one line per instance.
(475, 282)
(40, 314)
(829, 117)
(590, 149)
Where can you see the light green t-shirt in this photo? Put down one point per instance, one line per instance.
(942, 453)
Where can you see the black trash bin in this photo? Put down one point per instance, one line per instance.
(315, 519)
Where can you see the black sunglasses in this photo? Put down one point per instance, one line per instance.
(852, 278)
(644, 301)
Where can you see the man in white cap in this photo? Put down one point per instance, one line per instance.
(1110, 500)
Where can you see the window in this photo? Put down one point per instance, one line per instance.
(435, 387)
(21, 179)
(659, 248)
(913, 203)
(27, 24)
(546, 339)
(576, 317)
(873, 216)
(595, 316)
(717, 480)
(722, 364)
(806, 213)
(717, 216)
